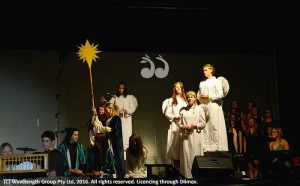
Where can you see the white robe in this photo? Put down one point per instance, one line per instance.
(130, 104)
(136, 168)
(191, 142)
(173, 140)
(215, 127)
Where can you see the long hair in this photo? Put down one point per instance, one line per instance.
(114, 110)
(136, 145)
(3, 145)
(125, 93)
(248, 131)
(245, 121)
(279, 132)
(269, 109)
(101, 146)
(236, 110)
(101, 117)
(182, 94)
(69, 133)
(250, 103)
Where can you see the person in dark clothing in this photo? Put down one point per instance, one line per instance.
(73, 153)
(253, 148)
(55, 158)
(103, 159)
(115, 137)
(232, 136)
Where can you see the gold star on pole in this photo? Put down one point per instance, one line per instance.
(88, 53)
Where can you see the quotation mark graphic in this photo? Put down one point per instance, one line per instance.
(159, 72)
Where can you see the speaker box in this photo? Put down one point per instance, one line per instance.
(216, 165)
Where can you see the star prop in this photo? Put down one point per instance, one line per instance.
(88, 53)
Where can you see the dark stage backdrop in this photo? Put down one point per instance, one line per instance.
(27, 96)
(31, 80)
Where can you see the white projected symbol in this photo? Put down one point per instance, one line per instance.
(159, 72)
(147, 72)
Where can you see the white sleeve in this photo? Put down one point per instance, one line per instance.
(92, 137)
(202, 121)
(164, 106)
(169, 111)
(217, 94)
(199, 92)
(99, 128)
(112, 100)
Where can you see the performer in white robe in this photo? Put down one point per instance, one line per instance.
(175, 103)
(136, 155)
(192, 122)
(210, 95)
(127, 105)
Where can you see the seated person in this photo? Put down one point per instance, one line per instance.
(136, 156)
(7, 149)
(278, 143)
(55, 157)
(281, 161)
(26, 165)
(73, 153)
(103, 159)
